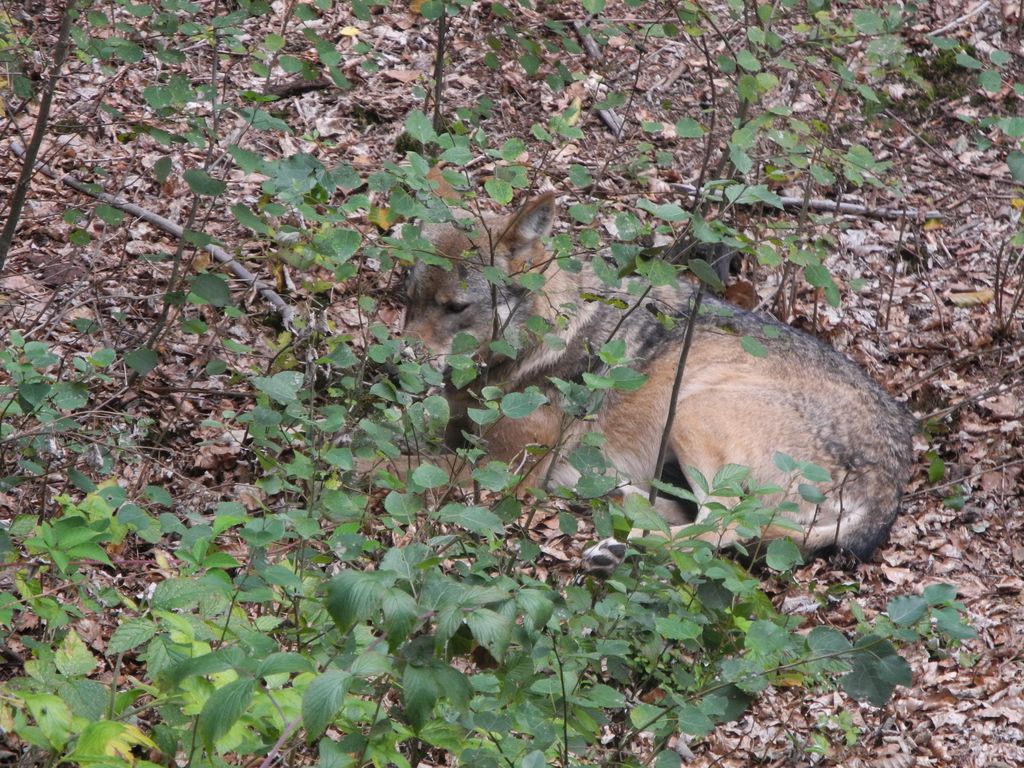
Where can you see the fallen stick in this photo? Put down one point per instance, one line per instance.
(853, 209)
(172, 228)
(608, 117)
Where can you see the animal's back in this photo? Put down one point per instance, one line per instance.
(793, 394)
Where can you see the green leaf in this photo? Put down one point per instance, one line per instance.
(100, 741)
(729, 476)
(419, 694)
(223, 709)
(1015, 161)
(642, 715)
(322, 701)
(536, 605)
(198, 666)
(673, 628)
(142, 360)
(937, 594)
(355, 595)
(519, 405)
(130, 634)
(706, 273)
(162, 168)
(967, 61)
(874, 678)
(403, 507)
(400, 612)
(1012, 126)
(491, 629)
(753, 347)
(591, 486)
(868, 22)
(249, 219)
(52, 715)
(766, 638)
(825, 641)
(579, 175)
(419, 127)
(1000, 58)
(602, 696)
(643, 515)
(815, 473)
(950, 622)
(282, 387)
(665, 211)
(73, 658)
(693, 721)
(338, 243)
(688, 128)
(906, 610)
(212, 288)
(818, 276)
(109, 215)
(283, 662)
(33, 393)
(499, 191)
(202, 183)
(429, 476)
(371, 664)
(990, 80)
(783, 555)
(811, 493)
(626, 379)
(747, 60)
(494, 476)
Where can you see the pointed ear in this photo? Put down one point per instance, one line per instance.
(532, 222)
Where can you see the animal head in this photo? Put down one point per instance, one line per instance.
(480, 294)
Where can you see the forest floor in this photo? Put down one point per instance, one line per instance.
(924, 321)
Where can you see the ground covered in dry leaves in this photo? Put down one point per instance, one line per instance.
(927, 328)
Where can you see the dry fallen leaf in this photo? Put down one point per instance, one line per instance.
(402, 75)
(972, 298)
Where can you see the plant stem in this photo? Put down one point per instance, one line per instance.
(28, 167)
(684, 352)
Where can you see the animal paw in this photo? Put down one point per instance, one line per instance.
(604, 557)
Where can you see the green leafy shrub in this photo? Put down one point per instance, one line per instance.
(378, 622)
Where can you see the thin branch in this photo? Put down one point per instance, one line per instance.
(927, 491)
(608, 117)
(442, 36)
(827, 206)
(892, 282)
(60, 54)
(171, 228)
(684, 352)
(961, 19)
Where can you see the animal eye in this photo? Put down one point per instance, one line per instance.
(455, 307)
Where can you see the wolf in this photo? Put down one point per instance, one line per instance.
(797, 397)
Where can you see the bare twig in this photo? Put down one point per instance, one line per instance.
(442, 38)
(892, 282)
(924, 492)
(961, 19)
(1002, 283)
(684, 352)
(172, 228)
(28, 167)
(608, 117)
(828, 206)
(1006, 382)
